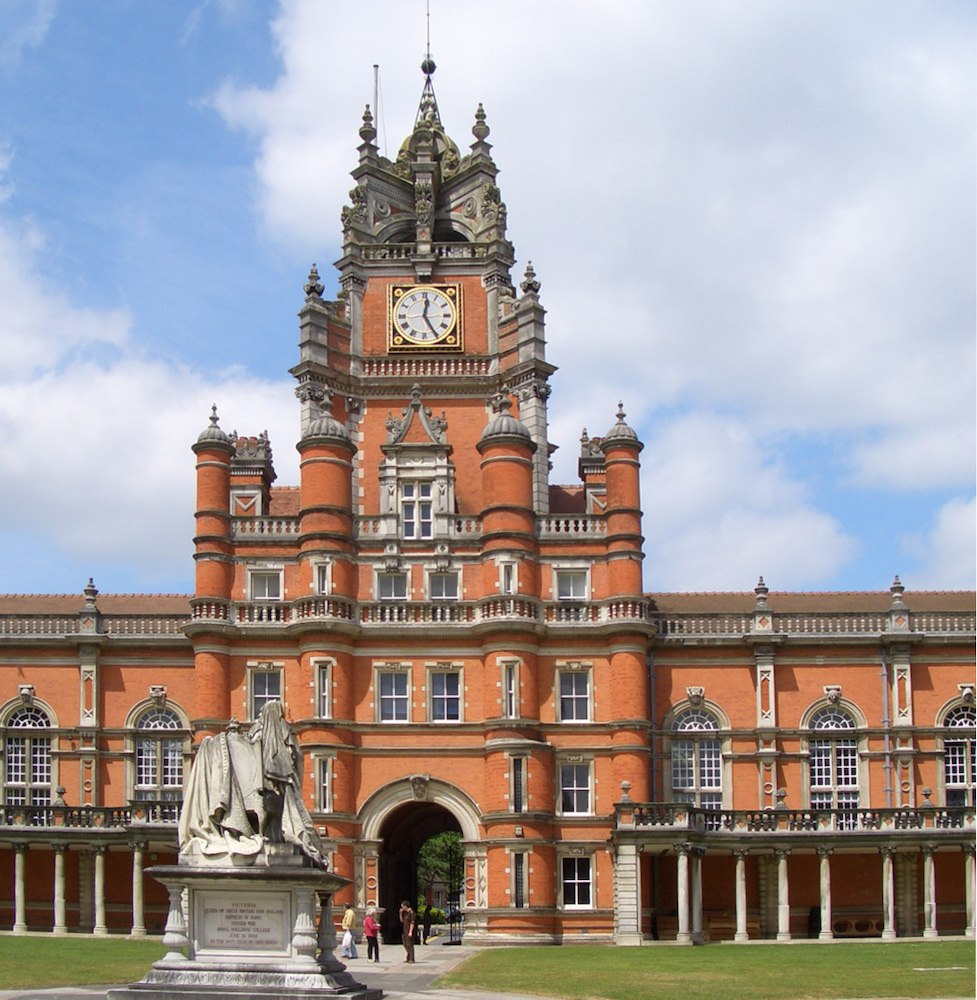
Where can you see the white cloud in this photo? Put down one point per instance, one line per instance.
(25, 23)
(719, 512)
(948, 550)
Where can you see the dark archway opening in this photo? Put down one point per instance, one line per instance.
(404, 830)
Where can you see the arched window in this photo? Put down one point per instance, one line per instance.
(159, 757)
(834, 763)
(960, 757)
(27, 773)
(697, 765)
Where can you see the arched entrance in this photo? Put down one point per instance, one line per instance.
(404, 831)
(396, 820)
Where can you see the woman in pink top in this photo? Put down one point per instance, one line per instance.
(371, 931)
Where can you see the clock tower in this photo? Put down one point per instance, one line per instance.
(427, 307)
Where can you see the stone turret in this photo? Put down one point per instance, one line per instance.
(621, 448)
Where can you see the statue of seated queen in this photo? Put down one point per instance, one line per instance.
(245, 793)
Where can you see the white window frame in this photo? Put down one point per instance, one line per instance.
(959, 757)
(510, 698)
(508, 577)
(445, 670)
(576, 670)
(581, 576)
(322, 680)
(322, 577)
(38, 762)
(264, 670)
(577, 860)
(381, 671)
(393, 597)
(416, 509)
(581, 768)
(695, 737)
(443, 576)
(837, 746)
(165, 750)
(323, 766)
(257, 573)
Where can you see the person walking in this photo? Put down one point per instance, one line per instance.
(349, 925)
(371, 931)
(408, 927)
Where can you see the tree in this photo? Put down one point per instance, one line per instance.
(441, 859)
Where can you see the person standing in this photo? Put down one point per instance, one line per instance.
(408, 927)
(349, 924)
(427, 923)
(371, 931)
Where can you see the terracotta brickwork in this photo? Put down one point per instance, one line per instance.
(461, 645)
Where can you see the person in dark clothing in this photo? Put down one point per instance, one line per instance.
(408, 927)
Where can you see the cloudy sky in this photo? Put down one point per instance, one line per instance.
(753, 221)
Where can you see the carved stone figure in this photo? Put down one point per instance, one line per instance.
(245, 791)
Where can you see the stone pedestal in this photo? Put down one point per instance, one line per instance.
(248, 932)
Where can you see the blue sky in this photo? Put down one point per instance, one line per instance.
(753, 222)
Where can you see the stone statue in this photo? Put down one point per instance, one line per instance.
(245, 791)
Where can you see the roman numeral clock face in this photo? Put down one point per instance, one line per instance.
(424, 317)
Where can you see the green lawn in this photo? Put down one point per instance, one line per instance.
(74, 961)
(726, 972)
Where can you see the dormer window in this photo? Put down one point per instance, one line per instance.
(416, 510)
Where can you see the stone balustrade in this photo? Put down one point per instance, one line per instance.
(872, 625)
(248, 528)
(150, 813)
(669, 816)
(555, 529)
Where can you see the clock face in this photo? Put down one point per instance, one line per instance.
(424, 316)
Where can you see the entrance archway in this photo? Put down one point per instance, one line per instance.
(398, 818)
(404, 831)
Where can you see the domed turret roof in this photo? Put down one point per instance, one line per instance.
(620, 431)
(213, 433)
(326, 425)
(504, 424)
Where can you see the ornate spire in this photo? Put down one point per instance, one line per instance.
(213, 432)
(620, 429)
(314, 286)
(480, 130)
(529, 284)
(367, 131)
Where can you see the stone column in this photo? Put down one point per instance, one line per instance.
(101, 929)
(888, 895)
(60, 919)
(175, 934)
(696, 896)
(138, 908)
(627, 895)
(969, 851)
(20, 897)
(742, 934)
(929, 892)
(683, 936)
(783, 895)
(824, 871)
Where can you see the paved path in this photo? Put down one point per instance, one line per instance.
(392, 974)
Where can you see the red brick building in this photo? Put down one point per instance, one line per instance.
(462, 645)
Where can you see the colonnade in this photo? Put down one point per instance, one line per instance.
(91, 889)
(689, 892)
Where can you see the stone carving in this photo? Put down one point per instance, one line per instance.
(157, 692)
(418, 786)
(245, 791)
(26, 692)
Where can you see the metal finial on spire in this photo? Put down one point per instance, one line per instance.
(213, 415)
(427, 66)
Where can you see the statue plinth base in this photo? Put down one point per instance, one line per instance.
(249, 932)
